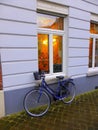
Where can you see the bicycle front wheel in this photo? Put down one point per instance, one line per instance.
(69, 93)
(36, 102)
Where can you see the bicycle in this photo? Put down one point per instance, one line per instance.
(37, 101)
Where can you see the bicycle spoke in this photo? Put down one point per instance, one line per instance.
(70, 93)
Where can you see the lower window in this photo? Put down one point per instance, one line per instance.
(50, 53)
(93, 53)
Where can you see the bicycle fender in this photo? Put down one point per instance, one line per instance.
(70, 81)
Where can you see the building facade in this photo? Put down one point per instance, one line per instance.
(59, 37)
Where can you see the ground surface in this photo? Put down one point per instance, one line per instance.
(82, 114)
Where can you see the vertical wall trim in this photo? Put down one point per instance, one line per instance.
(2, 107)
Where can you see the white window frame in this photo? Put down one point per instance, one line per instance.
(93, 70)
(51, 32)
(58, 10)
(94, 37)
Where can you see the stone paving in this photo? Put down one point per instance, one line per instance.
(82, 114)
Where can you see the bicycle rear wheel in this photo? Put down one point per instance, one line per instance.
(69, 93)
(36, 102)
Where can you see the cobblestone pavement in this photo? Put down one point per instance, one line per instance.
(82, 114)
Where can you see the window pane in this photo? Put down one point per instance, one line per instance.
(90, 52)
(96, 53)
(57, 53)
(51, 22)
(94, 28)
(43, 52)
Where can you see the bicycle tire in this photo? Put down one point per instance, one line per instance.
(70, 92)
(36, 103)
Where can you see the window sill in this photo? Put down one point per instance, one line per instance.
(92, 72)
(51, 79)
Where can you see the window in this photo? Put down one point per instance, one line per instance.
(94, 28)
(93, 46)
(50, 43)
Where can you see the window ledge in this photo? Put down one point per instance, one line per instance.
(92, 72)
(51, 79)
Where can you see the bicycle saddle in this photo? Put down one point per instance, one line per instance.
(60, 77)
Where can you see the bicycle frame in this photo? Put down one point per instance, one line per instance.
(51, 91)
(46, 87)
